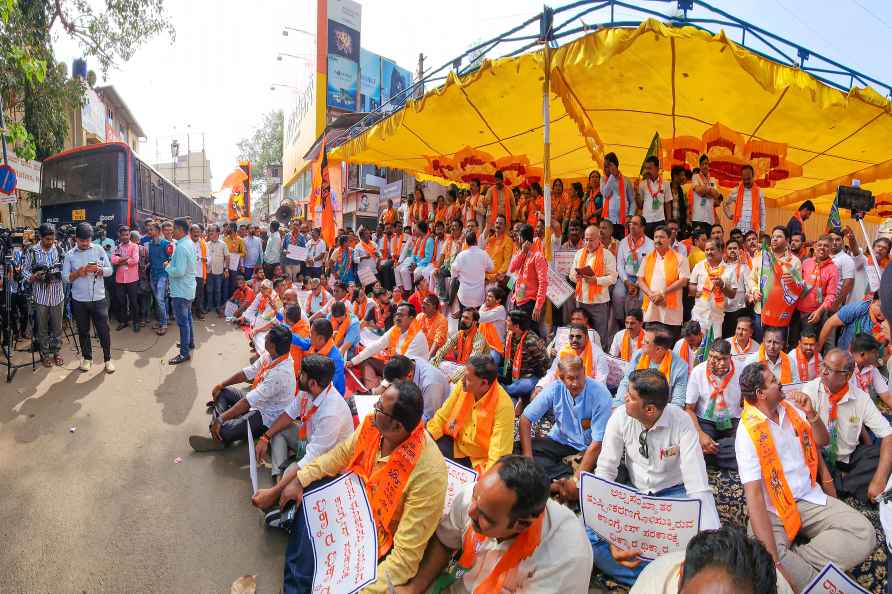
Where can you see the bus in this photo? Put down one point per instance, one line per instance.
(108, 183)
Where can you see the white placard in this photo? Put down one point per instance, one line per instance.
(633, 521)
(367, 277)
(833, 580)
(457, 477)
(558, 290)
(617, 369)
(233, 261)
(367, 337)
(27, 174)
(873, 277)
(790, 388)
(344, 539)
(740, 360)
(252, 458)
(563, 261)
(365, 404)
(392, 191)
(229, 309)
(296, 252)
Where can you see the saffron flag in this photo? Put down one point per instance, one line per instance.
(328, 224)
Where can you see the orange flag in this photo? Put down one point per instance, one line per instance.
(328, 223)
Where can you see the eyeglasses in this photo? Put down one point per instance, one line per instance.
(829, 369)
(377, 408)
(642, 444)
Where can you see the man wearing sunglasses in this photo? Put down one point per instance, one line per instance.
(662, 456)
(393, 454)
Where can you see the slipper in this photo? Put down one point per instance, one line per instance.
(202, 443)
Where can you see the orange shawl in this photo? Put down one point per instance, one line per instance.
(665, 365)
(486, 415)
(625, 351)
(605, 210)
(670, 275)
(754, 206)
(596, 262)
(523, 546)
(393, 347)
(786, 367)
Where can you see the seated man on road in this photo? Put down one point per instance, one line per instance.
(686, 347)
(261, 315)
(855, 318)
(742, 342)
(242, 297)
(777, 457)
(713, 401)
(656, 353)
(857, 469)
(627, 341)
(404, 475)
(322, 343)
(404, 338)
(581, 407)
(805, 356)
(866, 351)
(475, 426)
(346, 329)
(524, 362)
(663, 458)
(772, 354)
(579, 344)
(433, 383)
(272, 388)
(511, 536)
(461, 346)
(723, 560)
(313, 422)
(433, 323)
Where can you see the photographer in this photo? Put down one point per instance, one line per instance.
(85, 268)
(43, 269)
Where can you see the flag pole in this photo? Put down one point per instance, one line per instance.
(546, 145)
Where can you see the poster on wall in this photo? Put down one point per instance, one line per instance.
(370, 81)
(344, 18)
(93, 115)
(394, 82)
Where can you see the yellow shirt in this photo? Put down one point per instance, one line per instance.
(696, 255)
(500, 250)
(422, 506)
(501, 440)
(236, 245)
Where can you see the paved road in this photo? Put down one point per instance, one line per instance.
(106, 509)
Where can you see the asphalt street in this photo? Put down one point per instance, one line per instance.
(93, 499)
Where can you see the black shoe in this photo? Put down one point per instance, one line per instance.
(121, 326)
(201, 443)
(178, 359)
(273, 519)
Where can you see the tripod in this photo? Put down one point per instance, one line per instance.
(8, 338)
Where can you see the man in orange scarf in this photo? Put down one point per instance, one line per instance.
(345, 326)
(475, 426)
(500, 248)
(662, 276)
(777, 457)
(404, 338)
(510, 506)
(404, 476)
(745, 205)
(656, 353)
(433, 323)
(688, 345)
(499, 201)
(461, 346)
(626, 342)
(594, 272)
(712, 285)
(771, 353)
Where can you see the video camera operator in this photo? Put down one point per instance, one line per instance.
(86, 266)
(42, 268)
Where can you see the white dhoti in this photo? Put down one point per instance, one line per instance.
(429, 273)
(260, 342)
(404, 275)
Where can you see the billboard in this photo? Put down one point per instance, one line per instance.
(370, 81)
(394, 81)
(93, 115)
(342, 90)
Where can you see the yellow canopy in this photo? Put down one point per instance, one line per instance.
(612, 89)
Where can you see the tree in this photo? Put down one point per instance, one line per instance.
(37, 92)
(263, 148)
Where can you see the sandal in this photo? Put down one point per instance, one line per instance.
(58, 360)
(47, 362)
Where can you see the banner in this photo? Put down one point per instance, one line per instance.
(27, 173)
(93, 115)
(369, 81)
(344, 539)
(344, 18)
(365, 404)
(563, 261)
(458, 476)
(632, 521)
(558, 290)
(394, 82)
(833, 580)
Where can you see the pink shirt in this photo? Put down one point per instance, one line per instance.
(821, 289)
(532, 277)
(128, 272)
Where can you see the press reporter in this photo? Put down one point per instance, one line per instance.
(85, 268)
(42, 268)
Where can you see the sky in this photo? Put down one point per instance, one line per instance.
(212, 85)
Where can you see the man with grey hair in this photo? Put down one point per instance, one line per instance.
(857, 469)
(581, 408)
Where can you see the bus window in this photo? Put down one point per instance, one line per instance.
(85, 176)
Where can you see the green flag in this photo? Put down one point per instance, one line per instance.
(652, 150)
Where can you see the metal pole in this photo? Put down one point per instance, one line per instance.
(870, 249)
(546, 144)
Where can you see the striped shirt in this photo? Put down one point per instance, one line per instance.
(49, 294)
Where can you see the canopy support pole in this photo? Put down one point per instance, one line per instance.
(546, 146)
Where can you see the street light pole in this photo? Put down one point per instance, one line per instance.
(174, 152)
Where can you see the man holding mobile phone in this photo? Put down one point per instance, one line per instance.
(86, 265)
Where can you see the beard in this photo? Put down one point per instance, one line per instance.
(463, 326)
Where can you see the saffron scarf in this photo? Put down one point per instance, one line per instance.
(670, 275)
(685, 353)
(524, 545)
(325, 350)
(464, 346)
(369, 248)
(400, 349)
(494, 203)
(264, 368)
(340, 328)
(786, 367)
(360, 312)
(517, 358)
(814, 280)
(588, 359)
(303, 430)
(386, 484)
(665, 365)
(492, 337)
(460, 415)
(776, 486)
(709, 285)
(625, 350)
(802, 365)
(302, 329)
(596, 262)
(717, 410)
(741, 350)
(833, 422)
(754, 206)
(605, 210)
(418, 248)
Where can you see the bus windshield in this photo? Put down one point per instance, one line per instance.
(85, 176)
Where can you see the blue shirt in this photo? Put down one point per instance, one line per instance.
(428, 255)
(107, 244)
(352, 335)
(335, 356)
(90, 287)
(678, 376)
(181, 270)
(578, 421)
(856, 317)
(158, 257)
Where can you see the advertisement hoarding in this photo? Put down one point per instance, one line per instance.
(344, 18)
(370, 81)
(394, 82)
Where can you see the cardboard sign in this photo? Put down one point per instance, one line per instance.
(344, 539)
(252, 459)
(365, 404)
(790, 388)
(458, 476)
(633, 521)
(296, 252)
(618, 369)
(563, 261)
(558, 290)
(833, 580)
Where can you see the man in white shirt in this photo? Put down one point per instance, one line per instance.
(735, 306)
(858, 469)
(404, 338)
(846, 266)
(631, 252)
(433, 383)
(663, 458)
(747, 216)
(272, 388)
(626, 342)
(654, 196)
(662, 294)
(713, 401)
(272, 254)
(254, 248)
(771, 353)
(317, 251)
(742, 342)
(672, 228)
(593, 286)
(470, 268)
(365, 255)
(866, 350)
(314, 421)
(506, 510)
(788, 500)
(712, 284)
(706, 196)
(805, 356)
